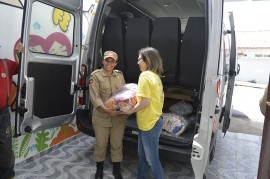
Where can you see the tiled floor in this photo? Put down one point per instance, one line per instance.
(236, 157)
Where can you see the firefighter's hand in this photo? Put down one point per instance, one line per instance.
(114, 113)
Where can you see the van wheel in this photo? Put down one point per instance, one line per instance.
(212, 153)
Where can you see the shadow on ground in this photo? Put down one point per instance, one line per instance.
(241, 123)
(239, 114)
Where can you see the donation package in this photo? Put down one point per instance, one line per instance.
(180, 118)
(124, 98)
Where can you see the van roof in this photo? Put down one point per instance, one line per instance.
(182, 9)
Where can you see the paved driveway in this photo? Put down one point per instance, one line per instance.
(246, 114)
(237, 154)
(237, 157)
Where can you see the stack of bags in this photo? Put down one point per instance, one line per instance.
(179, 119)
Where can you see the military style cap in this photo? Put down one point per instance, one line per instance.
(111, 54)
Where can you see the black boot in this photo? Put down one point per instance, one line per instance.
(99, 172)
(116, 170)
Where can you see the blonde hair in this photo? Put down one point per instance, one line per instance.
(153, 59)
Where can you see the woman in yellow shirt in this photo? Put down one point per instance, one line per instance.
(150, 99)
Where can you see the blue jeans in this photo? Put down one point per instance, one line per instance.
(148, 151)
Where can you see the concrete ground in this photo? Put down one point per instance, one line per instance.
(246, 115)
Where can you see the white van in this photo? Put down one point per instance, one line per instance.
(198, 52)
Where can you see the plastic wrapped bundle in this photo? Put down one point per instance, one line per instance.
(123, 98)
(181, 108)
(176, 124)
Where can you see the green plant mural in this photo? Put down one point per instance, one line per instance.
(24, 145)
(54, 131)
(31, 143)
(52, 134)
(24, 148)
(15, 144)
(42, 138)
(26, 152)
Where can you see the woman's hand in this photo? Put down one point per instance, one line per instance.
(130, 111)
(140, 105)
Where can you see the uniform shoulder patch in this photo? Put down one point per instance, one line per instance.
(91, 81)
(118, 71)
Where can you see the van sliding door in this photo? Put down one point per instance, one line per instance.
(50, 64)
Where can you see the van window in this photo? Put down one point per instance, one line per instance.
(56, 38)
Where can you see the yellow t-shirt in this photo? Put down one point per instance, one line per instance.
(150, 86)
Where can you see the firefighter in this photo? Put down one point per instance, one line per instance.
(108, 124)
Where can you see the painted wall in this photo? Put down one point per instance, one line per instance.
(254, 69)
(31, 144)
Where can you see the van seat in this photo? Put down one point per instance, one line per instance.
(137, 37)
(113, 39)
(192, 53)
(166, 38)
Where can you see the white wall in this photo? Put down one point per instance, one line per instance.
(250, 53)
(10, 31)
(254, 69)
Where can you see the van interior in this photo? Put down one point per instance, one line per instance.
(177, 29)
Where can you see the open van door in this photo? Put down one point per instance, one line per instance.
(49, 68)
(226, 111)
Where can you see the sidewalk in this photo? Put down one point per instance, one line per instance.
(249, 84)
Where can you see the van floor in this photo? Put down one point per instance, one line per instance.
(236, 157)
